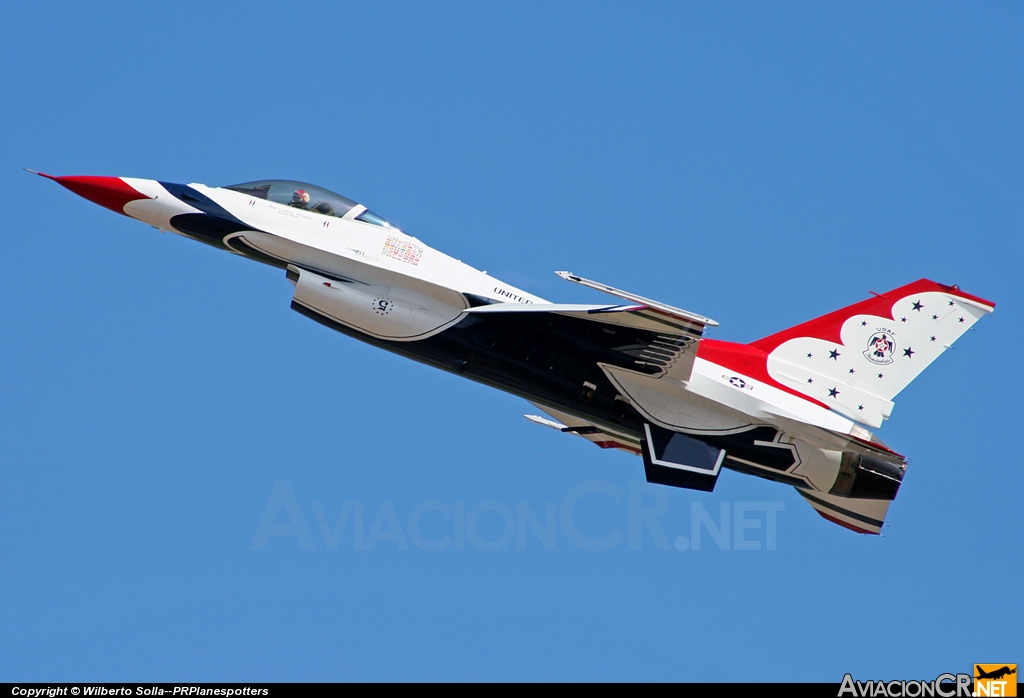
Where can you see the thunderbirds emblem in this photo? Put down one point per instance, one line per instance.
(880, 348)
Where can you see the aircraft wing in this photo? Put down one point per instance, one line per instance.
(655, 343)
(655, 307)
(648, 336)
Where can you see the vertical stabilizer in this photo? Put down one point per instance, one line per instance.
(857, 359)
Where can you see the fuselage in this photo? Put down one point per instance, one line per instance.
(385, 266)
(394, 267)
(361, 276)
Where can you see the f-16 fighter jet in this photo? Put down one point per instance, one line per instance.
(635, 374)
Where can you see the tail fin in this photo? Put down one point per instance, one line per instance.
(857, 359)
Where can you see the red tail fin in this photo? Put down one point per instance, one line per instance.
(855, 360)
(829, 327)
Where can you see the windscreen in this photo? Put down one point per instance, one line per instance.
(307, 197)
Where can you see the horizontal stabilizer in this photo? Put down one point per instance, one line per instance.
(859, 440)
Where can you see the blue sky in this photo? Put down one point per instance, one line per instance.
(760, 164)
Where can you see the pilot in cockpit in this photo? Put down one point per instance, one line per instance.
(324, 208)
(300, 199)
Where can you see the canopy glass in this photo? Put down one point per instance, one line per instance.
(308, 197)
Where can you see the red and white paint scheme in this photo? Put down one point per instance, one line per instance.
(637, 375)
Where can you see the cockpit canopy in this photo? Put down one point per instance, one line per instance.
(309, 197)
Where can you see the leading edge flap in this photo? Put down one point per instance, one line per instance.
(678, 460)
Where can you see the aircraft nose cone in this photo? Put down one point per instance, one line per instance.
(109, 192)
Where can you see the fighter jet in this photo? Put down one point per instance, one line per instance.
(635, 374)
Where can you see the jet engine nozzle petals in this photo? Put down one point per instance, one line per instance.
(110, 192)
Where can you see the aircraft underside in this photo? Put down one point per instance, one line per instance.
(554, 362)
